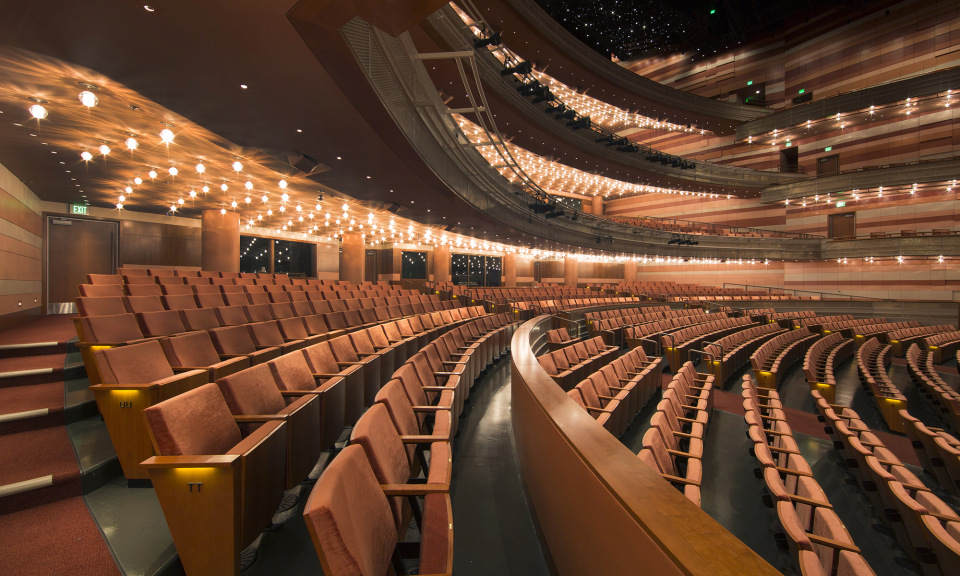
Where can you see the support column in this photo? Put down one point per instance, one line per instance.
(441, 264)
(509, 270)
(630, 271)
(352, 257)
(570, 272)
(272, 262)
(596, 206)
(220, 241)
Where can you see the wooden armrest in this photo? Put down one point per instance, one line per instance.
(318, 375)
(836, 544)
(679, 480)
(809, 502)
(600, 410)
(685, 435)
(781, 450)
(414, 489)
(437, 388)
(792, 472)
(681, 453)
(942, 517)
(257, 417)
(349, 363)
(422, 439)
(191, 461)
(447, 374)
(229, 356)
(177, 369)
(445, 362)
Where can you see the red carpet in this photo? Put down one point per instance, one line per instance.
(57, 328)
(56, 538)
(36, 453)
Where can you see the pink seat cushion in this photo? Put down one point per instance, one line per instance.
(197, 422)
(134, 364)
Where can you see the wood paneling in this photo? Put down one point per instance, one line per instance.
(149, 243)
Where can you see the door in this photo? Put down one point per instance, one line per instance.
(790, 159)
(828, 165)
(842, 225)
(370, 266)
(76, 247)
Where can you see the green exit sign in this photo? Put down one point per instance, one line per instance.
(78, 208)
(841, 204)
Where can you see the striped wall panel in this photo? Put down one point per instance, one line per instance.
(733, 211)
(21, 246)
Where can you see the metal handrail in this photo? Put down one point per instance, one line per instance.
(656, 345)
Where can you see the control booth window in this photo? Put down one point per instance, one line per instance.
(413, 265)
(254, 254)
(473, 270)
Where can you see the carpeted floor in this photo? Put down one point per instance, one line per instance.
(36, 453)
(56, 538)
(807, 423)
(57, 328)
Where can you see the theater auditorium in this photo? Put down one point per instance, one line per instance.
(532, 287)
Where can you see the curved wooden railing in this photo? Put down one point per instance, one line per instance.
(601, 510)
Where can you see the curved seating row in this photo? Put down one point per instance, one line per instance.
(821, 360)
(902, 339)
(648, 334)
(678, 344)
(616, 393)
(945, 400)
(943, 346)
(938, 451)
(731, 352)
(673, 445)
(420, 405)
(571, 364)
(817, 538)
(784, 317)
(864, 332)
(612, 328)
(774, 356)
(559, 338)
(815, 323)
(872, 361)
(896, 494)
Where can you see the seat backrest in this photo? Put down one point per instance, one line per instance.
(252, 391)
(197, 422)
(101, 290)
(199, 319)
(292, 372)
(393, 396)
(134, 364)
(375, 432)
(349, 518)
(100, 306)
(320, 358)
(111, 328)
(193, 349)
(162, 323)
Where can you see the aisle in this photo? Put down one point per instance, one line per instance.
(493, 529)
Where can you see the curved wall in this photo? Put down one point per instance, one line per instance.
(601, 510)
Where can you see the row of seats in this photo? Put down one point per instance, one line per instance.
(731, 352)
(774, 356)
(873, 358)
(816, 322)
(897, 495)
(678, 344)
(944, 399)
(797, 314)
(221, 351)
(621, 312)
(819, 542)
(902, 339)
(559, 338)
(571, 364)
(880, 329)
(649, 333)
(612, 327)
(821, 360)
(301, 389)
(849, 327)
(943, 346)
(938, 451)
(527, 309)
(673, 446)
(616, 393)
(358, 513)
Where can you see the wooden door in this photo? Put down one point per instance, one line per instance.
(842, 225)
(370, 266)
(76, 247)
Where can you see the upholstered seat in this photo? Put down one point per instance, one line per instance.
(195, 351)
(211, 482)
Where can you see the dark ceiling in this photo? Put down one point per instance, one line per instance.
(630, 29)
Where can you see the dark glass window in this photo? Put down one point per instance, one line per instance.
(475, 270)
(254, 254)
(295, 258)
(413, 265)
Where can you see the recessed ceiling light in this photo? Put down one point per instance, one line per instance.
(244, 86)
(299, 130)
(150, 7)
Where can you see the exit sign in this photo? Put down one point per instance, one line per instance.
(841, 204)
(78, 208)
